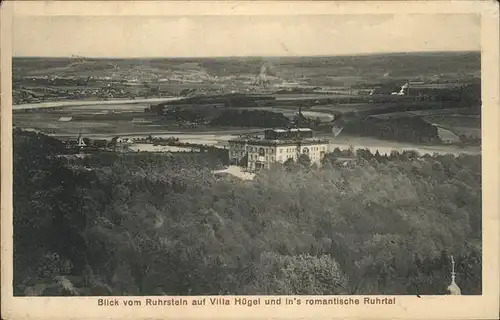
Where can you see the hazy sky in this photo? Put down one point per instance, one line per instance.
(203, 36)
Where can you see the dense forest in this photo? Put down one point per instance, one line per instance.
(250, 118)
(144, 224)
(406, 129)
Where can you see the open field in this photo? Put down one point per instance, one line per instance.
(110, 129)
(457, 121)
(99, 104)
(469, 126)
(465, 112)
(130, 117)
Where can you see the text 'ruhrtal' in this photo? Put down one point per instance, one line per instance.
(244, 301)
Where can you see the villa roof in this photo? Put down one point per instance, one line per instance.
(291, 130)
(269, 142)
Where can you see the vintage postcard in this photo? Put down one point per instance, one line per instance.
(207, 159)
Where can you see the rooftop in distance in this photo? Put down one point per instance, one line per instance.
(291, 130)
(274, 142)
(279, 136)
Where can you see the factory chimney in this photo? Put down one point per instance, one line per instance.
(262, 77)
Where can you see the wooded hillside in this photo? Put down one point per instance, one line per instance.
(143, 224)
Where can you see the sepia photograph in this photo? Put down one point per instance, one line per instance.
(177, 155)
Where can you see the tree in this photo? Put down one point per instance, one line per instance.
(330, 158)
(289, 163)
(87, 141)
(250, 118)
(144, 224)
(364, 154)
(337, 152)
(304, 160)
(350, 151)
(298, 275)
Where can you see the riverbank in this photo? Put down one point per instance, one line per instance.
(385, 147)
(221, 138)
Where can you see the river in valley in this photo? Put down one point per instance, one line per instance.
(342, 142)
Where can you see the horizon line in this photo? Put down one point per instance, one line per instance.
(248, 56)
